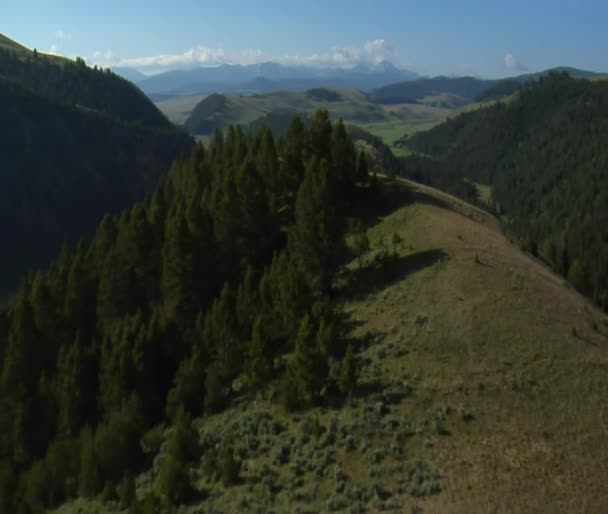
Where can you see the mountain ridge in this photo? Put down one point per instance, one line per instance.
(237, 78)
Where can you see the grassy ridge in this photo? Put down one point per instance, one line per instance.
(8, 44)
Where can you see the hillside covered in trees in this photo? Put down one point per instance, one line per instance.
(545, 155)
(74, 82)
(77, 143)
(179, 304)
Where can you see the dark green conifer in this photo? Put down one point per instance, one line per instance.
(259, 358)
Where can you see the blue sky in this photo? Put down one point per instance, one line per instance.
(483, 38)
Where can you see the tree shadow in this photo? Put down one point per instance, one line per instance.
(418, 196)
(394, 195)
(583, 338)
(385, 271)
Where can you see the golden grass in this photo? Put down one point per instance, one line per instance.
(509, 342)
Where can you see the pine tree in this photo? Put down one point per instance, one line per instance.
(173, 482)
(188, 391)
(320, 135)
(21, 365)
(177, 268)
(361, 242)
(183, 443)
(362, 168)
(343, 166)
(247, 302)
(397, 241)
(126, 491)
(259, 359)
(215, 395)
(220, 334)
(306, 362)
(267, 165)
(327, 342)
(257, 229)
(316, 239)
(70, 388)
(45, 316)
(79, 299)
(349, 372)
(89, 479)
(292, 167)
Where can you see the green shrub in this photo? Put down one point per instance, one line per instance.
(230, 466)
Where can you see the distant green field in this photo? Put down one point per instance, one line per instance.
(388, 122)
(483, 191)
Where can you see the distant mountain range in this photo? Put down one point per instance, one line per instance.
(264, 77)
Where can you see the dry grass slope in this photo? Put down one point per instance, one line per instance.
(494, 334)
(8, 44)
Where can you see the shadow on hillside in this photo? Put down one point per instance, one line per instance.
(395, 195)
(424, 198)
(383, 272)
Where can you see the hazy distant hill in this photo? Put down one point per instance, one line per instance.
(130, 74)
(217, 110)
(457, 91)
(462, 90)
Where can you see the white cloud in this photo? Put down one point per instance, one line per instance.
(338, 57)
(335, 58)
(199, 56)
(380, 50)
(513, 64)
(60, 34)
(54, 50)
(106, 56)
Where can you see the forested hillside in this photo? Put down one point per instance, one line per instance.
(178, 305)
(63, 168)
(464, 88)
(76, 144)
(545, 155)
(74, 82)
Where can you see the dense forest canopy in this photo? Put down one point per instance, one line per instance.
(226, 268)
(545, 154)
(77, 143)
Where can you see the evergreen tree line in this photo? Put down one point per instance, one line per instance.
(218, 283)
(545, 154)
